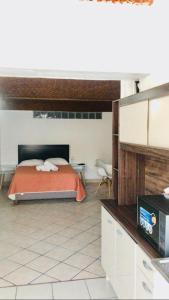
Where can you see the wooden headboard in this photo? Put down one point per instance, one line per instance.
(42, 152)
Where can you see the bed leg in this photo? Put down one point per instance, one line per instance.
(15, 202)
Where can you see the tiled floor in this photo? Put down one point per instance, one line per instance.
(97, 288)
(49, 241)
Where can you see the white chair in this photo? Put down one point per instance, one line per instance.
(105, 172)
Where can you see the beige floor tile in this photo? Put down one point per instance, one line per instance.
(8, 293)
(79, 260)
(22, 276)
(60, 253)
(84, 275)
(7, 266)
(41, 291)
(41, 247)
(24, 256)
(75, 244)
(56, 239)
(92, 250)
(7, 250)
(97, 243)
(82, 225)
(84, 236)
(96, 268)
(54, 229)
(40, 234)
(22, 241)
(96, 230)
(63, 272)
(42, 264)
(70, 232)
(4, 283)
(70, 290)
(100, 288)
(44, 279)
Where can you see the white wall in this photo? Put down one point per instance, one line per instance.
(83, 35)
(88, 139)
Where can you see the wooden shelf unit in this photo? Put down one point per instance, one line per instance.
(154, 93)
(141, 169)
(115, 149)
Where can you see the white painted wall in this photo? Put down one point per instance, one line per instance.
(88, 139)
(156, 78)
(84, 35)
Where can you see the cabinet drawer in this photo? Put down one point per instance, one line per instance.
(144, 263)
(106, 217)
(144, 288)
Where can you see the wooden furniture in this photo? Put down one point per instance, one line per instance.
(134, 123)
(35, 186)
(138, 167)
(50, 94)
(154, 93)
(124, 257)
(115, 149)
(6, 170)
(42, 152)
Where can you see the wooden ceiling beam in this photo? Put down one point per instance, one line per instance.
(55, 105)
(59, 89)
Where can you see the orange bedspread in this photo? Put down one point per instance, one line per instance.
(29, 180)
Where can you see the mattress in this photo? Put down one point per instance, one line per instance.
(28, 183)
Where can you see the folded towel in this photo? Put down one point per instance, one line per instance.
(47, 167)
(166, 190)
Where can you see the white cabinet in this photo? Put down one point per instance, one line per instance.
(144, 287)
(161, 287)
(118, 257)
(144, 264)
(108, 243)
(144, 275)
(158, 122)
(127, 266)
(124, 281)
(134, 123)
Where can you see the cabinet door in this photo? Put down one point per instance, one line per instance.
(108, 243)
(161, 287)
(124, 281)
(144, 288)
(158, 122)
(134, 123)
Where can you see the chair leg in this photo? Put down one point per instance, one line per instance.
(100, 183)
(109, 187)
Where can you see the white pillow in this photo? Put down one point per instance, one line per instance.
(57, 161)
(31, 163)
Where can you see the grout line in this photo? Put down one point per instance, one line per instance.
(52, 291)
(87, 289)
(16, 292)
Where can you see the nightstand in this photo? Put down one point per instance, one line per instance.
(6, 170)
(80, 169)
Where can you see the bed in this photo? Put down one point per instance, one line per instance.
(30, 184)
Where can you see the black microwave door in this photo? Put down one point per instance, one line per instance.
(148, 223)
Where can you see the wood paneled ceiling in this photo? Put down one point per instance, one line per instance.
(18, 93)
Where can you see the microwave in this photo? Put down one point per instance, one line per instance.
(153, 221)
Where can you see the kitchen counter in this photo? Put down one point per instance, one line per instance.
(126, 216)
(162, 266)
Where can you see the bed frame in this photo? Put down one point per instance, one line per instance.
(26, 152)
(42, 152)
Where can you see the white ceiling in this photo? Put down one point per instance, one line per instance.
(14, 72)
(83, 38)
